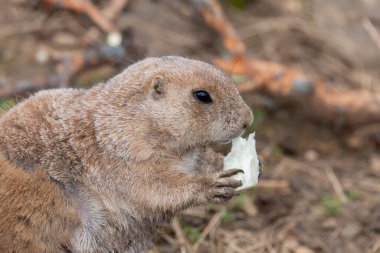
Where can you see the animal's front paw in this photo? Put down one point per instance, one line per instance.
(222, 188)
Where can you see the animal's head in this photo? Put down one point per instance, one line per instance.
(173, 102)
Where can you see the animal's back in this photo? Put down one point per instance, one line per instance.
(30, 204)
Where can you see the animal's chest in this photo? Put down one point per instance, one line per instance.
(138, 235)
(188, 164)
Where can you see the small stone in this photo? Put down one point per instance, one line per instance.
(311, 155)
(303, 249)
(350, 230)
(329, 223)
(42, 56)
(114, 39)
(355, 142)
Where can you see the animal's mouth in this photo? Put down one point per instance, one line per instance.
(225, 142)
(229, 140)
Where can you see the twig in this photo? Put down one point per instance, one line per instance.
(353, 107)
(371, 30)
(376, 246)
(86, 7)
(213, 14)
(219, 243)
(267, 183)
(372, 186)
(250, 208)
(114, 8)
(210, 226)
(169, 239)
(184, 244)
(336, 185)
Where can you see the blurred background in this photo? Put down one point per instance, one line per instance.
(310, 70)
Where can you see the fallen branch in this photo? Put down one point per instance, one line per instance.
(352, 107)
(327, 103)
(85, 7)
(275, 79)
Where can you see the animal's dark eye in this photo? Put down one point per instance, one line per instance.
(202, 96)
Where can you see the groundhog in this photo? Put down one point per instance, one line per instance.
(100, 170)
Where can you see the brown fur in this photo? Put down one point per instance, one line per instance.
(35, 214)
(100, 170)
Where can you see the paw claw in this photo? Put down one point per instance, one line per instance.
(228, 182)
(231, 172)
(222, 187)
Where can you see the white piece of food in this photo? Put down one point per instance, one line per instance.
(243, 156)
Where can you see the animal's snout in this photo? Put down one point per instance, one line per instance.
(247, 118)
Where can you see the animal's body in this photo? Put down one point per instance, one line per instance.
(100, 170)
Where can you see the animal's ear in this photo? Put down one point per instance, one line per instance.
(158, 87)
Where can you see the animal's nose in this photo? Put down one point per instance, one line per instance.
(248, 118)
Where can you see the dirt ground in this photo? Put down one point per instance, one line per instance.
(320, 190)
